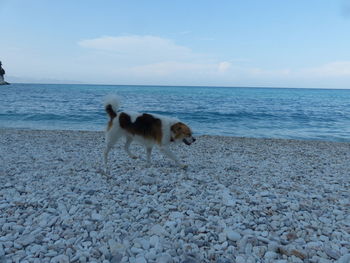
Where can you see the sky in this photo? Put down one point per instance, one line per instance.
(260, 43)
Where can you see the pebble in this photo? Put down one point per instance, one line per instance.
(25, 240)
(164, 258)
(60, 259)
(344, 259)
(150, 256)
(148, 180)
(332, 253)
(240, 259)
(116, 258)
(158, 230)
(140, 259)
(145, 244)
(154, 240)
(270, 255)
(97, 217)
(232, 235)
(2, 251)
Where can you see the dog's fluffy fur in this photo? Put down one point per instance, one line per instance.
(147, 129)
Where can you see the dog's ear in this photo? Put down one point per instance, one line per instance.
(177, 127)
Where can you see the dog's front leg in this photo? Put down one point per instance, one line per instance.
(170, 155)
(105, 157)
(127, 148)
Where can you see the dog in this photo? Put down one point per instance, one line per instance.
(148, 129)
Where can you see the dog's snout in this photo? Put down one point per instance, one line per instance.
(194, 139)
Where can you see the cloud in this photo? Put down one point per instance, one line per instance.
(153, 56)
(332, 69)
(224, 66)
(150, 56)
(139, 48)
(171, 67)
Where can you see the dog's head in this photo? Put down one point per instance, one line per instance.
(181, 132)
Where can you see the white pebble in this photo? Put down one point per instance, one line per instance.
(233, 235)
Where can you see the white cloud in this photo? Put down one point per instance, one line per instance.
(332, 69)
(139, 48)
(224, 66)
(150, 57)
(172, 67)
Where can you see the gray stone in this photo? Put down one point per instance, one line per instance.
(158, 230)
(344, 259)
(116, 258)
(233, 235)
(96, 216)
(164, 258)
(26, 240)
(332, 253)
(140, 259)
(60, 259)
(2, 251)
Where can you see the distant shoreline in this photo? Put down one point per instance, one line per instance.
(176, 86)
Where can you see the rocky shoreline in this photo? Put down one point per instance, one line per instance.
(240, 200)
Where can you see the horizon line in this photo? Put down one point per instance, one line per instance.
(193, 86)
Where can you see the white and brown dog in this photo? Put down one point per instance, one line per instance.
(147, 129)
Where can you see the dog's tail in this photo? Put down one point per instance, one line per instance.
(112, 103)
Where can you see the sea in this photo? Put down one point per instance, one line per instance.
(303, 114)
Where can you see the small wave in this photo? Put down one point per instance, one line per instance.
(54, 117)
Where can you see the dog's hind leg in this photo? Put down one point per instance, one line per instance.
(111, 140)
(127, 148)
(149, 152)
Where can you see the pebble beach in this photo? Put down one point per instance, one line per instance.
(239, 200)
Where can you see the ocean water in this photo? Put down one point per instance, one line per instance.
(307, 114)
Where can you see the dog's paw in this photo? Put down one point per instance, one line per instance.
(105, 172)
(183, 166)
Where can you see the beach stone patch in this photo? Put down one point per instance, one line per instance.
(239, 200)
